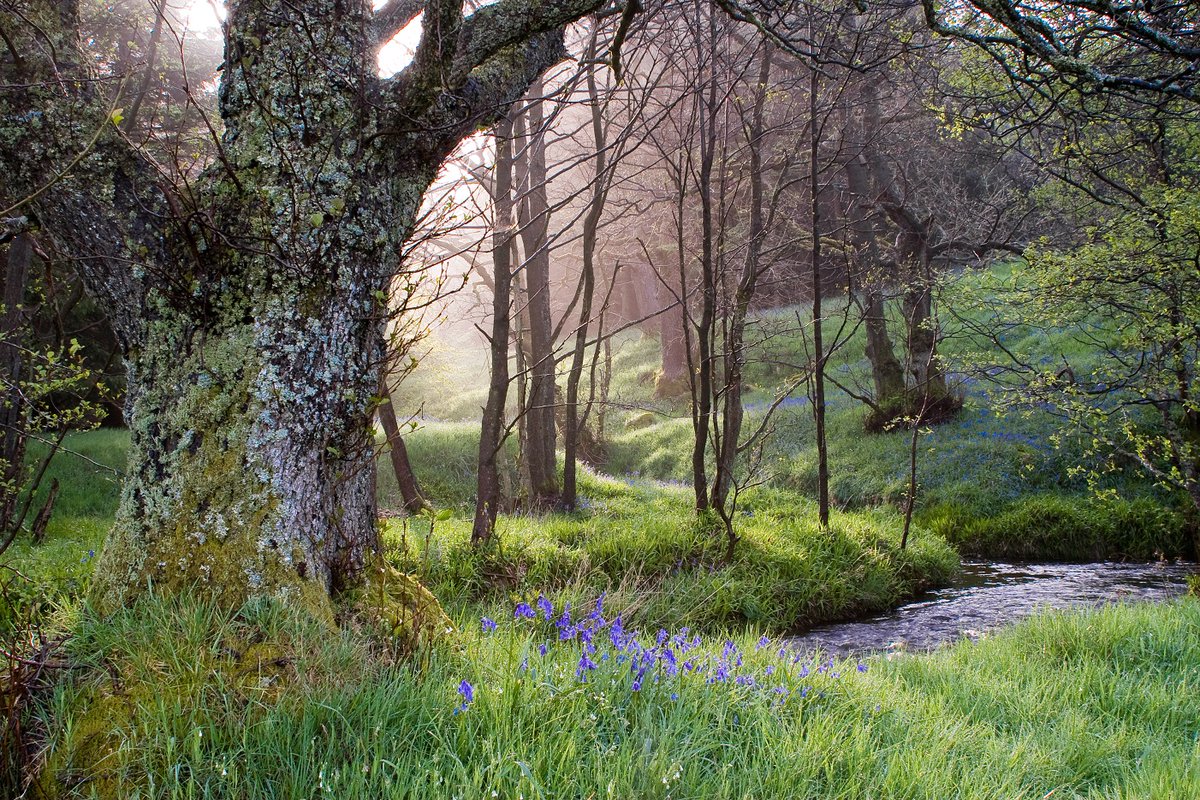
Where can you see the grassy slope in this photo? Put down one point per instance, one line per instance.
(993, 484)
(1089, 704)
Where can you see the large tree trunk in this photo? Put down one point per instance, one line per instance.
(930, 394)
(866, 229)
(248, 306)
(887, 373)
(672, 380)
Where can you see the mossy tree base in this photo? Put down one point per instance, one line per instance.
(395, 609)
(908, 411)
(184, 651)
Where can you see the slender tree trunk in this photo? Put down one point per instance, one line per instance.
(12, 406)
(735, 354)
(591, 224)
(139, 97)
(702, 385)
(487, 495)
(406, 479)
(818, 378)
(540, 457)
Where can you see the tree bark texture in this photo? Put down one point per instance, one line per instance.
(248, 304)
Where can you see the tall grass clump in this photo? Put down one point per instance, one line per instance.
(642, 544)
(1062, 528)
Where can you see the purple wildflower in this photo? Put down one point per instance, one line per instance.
(585, 665)
(488, 625)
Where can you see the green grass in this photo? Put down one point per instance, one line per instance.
(54, 571)
(637, 540)
(640, 543)
(173, 701)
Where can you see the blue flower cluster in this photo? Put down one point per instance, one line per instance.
(666, 659)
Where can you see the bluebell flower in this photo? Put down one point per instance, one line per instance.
(862, 667)
(488, 625)
(542, 649)
(585, 665)
(545, 606)
(564, 621)
(523, 610)
(763, 642)
(468, 695)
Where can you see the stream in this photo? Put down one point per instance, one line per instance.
(989, 595)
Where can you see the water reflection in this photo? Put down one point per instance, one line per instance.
(989, 595)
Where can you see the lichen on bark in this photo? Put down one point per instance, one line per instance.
(247, 302)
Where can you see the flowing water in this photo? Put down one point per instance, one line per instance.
(988, 595)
